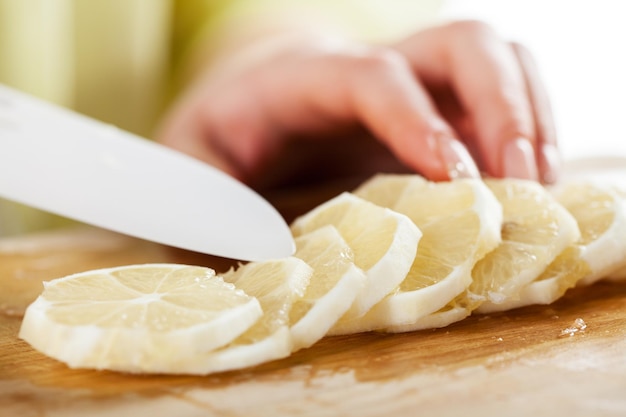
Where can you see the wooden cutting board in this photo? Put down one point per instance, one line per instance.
(531, 361)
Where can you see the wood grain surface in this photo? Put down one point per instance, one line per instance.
(530, 361)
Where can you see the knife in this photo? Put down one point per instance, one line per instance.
(65, 163)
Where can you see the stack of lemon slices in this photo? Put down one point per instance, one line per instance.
(398, 254)
(460, 222)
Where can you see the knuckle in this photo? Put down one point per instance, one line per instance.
(470, 29)
(381, 61)
(519, 110)
(516, 126)
(521, 50)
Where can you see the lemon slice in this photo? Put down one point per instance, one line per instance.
(131, 318)
(460, 221)
(277, 284)
(601, 215)
(335, 283)
(454, 311)
(535, 230)
(562, 274)
(384, 242)
(386, 190)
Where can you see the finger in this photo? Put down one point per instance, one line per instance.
(485, 75)
(548, 158)
(374, 88)
(379, 90)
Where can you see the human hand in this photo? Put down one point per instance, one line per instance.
(491, 95)
(289, 108)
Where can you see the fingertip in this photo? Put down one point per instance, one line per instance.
(518, 160)
(549, 163)
(456, 159)
(446, 158)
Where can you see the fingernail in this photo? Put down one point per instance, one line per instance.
(456, 158)
(519, 160)
(551, 163)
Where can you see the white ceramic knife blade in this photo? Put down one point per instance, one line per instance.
(65, 163)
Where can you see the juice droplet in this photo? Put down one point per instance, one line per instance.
(579, 325)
